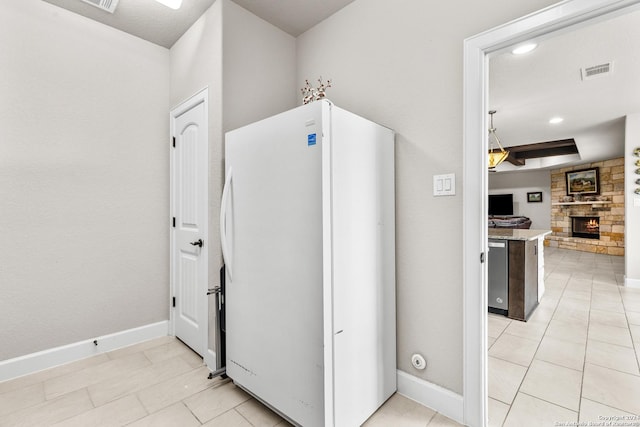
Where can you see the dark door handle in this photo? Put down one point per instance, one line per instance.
(197, 243)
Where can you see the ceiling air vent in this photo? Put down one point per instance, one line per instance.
(596, 70)
(106, 5)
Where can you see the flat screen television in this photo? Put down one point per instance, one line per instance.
(500, 204)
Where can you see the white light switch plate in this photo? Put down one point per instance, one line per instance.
(444, 185)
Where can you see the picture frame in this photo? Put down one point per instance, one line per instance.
(534, 197)
(583, 181)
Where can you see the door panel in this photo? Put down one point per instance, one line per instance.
(190, 204)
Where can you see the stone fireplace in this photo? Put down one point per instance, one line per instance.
(604, 237)
(587, 227)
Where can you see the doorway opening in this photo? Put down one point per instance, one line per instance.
(476, 51)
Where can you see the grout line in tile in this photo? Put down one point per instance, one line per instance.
(584, 360)
(238, 412)
(551, 403)
(600, 403)
(544, 334)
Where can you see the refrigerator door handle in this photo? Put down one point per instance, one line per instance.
(223, 222)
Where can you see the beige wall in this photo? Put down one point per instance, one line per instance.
(249, 67)
(259, 68)
(399, 63)
(83, 210)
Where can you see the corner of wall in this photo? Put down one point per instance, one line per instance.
(433, 396)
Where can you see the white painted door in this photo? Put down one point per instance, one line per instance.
(189, 201)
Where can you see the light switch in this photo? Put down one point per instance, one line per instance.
(636, 202)
(444, 185)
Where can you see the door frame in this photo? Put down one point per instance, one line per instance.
(201, 97)
(475, 180)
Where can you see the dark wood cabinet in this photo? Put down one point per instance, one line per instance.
(523, 278)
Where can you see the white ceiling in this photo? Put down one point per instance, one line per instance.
(525, 90)
(146, 19)
(161, 25)
(293, 16)
(528, 90)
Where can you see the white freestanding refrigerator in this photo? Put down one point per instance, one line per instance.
(308, 238)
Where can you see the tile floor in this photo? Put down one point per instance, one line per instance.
(157, 383)
(577, 359)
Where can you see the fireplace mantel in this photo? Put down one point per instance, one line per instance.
(610, 212)
(594, 202)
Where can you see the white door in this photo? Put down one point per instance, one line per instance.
(189, 224)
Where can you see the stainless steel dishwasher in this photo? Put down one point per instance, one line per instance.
(498, 276)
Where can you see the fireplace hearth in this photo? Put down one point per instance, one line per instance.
(587, 227)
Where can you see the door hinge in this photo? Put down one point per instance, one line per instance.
(174, 301)
(174, 142)
(174, 222)
(481, 257)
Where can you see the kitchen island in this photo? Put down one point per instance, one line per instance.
(516, 282)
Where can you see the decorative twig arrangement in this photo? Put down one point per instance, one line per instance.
(310, 94)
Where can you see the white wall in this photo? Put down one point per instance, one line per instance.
(399, 63)
(249, 67)
(83, 179)
(259, 68)
(196, 63)
(521, 183)
(632, 202)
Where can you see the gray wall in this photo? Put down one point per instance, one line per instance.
(519, 184)
(399, 63)
(83, 179)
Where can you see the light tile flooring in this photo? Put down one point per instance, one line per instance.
(577, 358)
(157, 383)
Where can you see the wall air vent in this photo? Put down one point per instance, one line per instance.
(106, 5)
(596, 70)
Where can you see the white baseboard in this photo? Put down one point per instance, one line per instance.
(631, 283)
(30, 363)
(431, 395)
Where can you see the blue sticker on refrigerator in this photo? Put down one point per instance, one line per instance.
(311, 139)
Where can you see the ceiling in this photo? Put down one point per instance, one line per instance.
(163, 26)
(146, 19)
(530, 89)
(293, 16)
(525, 90)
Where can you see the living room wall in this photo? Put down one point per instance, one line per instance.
(521, 183)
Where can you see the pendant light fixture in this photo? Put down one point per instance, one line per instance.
(496, 156)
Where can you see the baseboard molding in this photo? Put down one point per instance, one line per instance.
(431, 395)
(632, 283)
(30, 363)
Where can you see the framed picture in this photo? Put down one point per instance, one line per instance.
(535, 197)
(584, 181)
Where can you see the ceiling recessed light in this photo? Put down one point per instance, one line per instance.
(556, 120)
(173, 4)
(524, 48)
